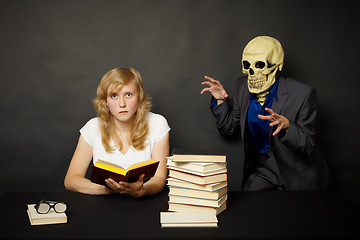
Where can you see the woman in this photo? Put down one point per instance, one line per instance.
(124, 132)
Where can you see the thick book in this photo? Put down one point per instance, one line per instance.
(103, 170)
(187, 192)
(198, 201)
(198, 155)
(193, 178)
(182, 219)
(203, 167)
(208, 187)
(203, 174)
(51, 217)
(180, 207)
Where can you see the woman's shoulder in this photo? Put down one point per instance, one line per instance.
(158, 126)
(157, 121)
(91, 125)
(90, 130)
(93, 122)
(155, 117)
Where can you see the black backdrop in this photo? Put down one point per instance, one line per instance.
(53, 54)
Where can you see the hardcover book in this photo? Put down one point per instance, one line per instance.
(103, 170)
(177, 219)
(203, 174)
(197, 155)
(196, 166)
(209, 187)
(198, 201)
(181, 207)
(193, 178)
(187, 192)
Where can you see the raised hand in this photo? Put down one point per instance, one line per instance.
(215, 88)
(276, 119)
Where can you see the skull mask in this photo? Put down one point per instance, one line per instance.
(263, 57)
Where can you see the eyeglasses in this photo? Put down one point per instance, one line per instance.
(45, 206)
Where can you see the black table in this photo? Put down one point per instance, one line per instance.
(250, 215)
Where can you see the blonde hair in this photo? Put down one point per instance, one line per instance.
(114, 80)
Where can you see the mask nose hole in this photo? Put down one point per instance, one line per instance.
(251, 71)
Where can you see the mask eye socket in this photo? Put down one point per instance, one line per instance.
(270, 65)
(246, 64)
(260, 65)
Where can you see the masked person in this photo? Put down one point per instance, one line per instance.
(124, 132)
(276, 119)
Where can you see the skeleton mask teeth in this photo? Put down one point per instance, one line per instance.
(256, 82)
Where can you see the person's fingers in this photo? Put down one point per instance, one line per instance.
(277, 122)
(210, 79)
(262, 117)
(213, 81)
(110, 184)
(278, 129)
(269, 110)
(205, 90)
(207, 83)
(141, 178)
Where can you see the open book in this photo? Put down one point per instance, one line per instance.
(103, 170)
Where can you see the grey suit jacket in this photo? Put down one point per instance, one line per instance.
(300, 161)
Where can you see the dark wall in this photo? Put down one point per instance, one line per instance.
(53, 54)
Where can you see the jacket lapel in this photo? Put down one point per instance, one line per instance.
(244, 108)
(282, 93)
(277, 105)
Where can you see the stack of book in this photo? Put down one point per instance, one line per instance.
(197, 181)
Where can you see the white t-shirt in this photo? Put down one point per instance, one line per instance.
(158, 127)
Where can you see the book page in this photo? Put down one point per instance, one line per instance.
(110, 167)
(140, 164)
(110, 163)
(118, 169)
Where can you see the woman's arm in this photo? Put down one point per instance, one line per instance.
(75, 177)
(160, 152)
(156, 183)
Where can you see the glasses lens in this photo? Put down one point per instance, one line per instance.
(60, 207)
(43, 208)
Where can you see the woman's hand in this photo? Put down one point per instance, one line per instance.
(135, 189)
